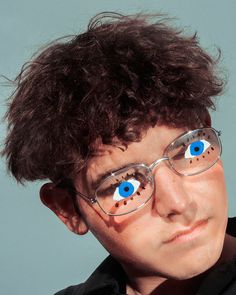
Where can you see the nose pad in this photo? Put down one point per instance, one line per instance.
(170, 197)
(149, 178)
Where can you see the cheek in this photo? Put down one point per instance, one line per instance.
(209, 192)
(100, 224)
(122, 236)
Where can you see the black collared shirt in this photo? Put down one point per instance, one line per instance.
(110, 279)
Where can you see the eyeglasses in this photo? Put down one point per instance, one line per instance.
(129, 189)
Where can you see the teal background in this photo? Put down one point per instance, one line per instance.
(38, 255)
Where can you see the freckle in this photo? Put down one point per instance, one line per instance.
(116, 204)
(125, 203)
(143, 187)
(203, 133)
(212, 148)
(191, 162)
(208, 152)
(117, 180)
(208, 136)
(203, 157)
(138, 193)
(131, 198)
(197, 159)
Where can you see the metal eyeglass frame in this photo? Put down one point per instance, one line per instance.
(149, 168)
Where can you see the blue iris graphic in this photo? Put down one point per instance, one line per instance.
(126, 189)
(197, 148)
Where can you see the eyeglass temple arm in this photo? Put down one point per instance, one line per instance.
(86, 197)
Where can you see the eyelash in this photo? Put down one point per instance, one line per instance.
(127, 177)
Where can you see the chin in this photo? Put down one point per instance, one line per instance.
(199, 263)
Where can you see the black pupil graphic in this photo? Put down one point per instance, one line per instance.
(126, 189)
(196, 149)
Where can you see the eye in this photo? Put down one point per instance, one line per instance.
(126, 189)
(196, 148)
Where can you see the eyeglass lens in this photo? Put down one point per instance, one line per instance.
(194, 152)
(130, 188)
(126, 191)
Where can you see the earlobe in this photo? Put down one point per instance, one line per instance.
(61, 203)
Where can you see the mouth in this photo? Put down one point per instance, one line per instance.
(188, 234)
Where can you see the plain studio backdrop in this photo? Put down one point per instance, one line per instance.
(38, 255)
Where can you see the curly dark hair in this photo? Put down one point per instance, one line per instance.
(122, 76)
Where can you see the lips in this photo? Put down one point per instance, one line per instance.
(184, 234)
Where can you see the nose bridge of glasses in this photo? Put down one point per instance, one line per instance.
(157, 162)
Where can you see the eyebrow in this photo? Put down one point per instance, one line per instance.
(107, 173)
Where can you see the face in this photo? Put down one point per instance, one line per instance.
(180, 232)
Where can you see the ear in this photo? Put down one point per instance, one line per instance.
(60, 202)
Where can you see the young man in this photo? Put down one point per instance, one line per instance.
(117, 118)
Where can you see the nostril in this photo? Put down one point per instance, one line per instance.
(171, 214)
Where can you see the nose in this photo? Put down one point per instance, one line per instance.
(171, 200)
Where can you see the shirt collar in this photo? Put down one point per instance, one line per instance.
(109, 277)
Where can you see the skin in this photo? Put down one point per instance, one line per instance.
(177, 204)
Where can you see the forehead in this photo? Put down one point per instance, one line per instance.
(112, 157)
(154, 138)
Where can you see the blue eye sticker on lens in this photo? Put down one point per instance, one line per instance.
(126, 189)
(196, 148)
